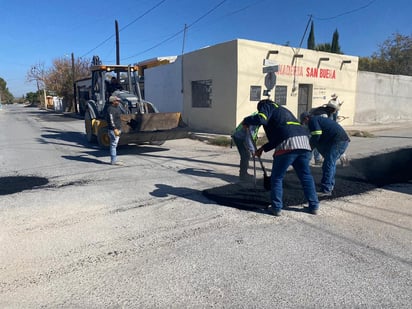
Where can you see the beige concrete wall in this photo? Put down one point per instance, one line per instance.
(235, 66)
(324, 77)
(219, 64)
(383, 98)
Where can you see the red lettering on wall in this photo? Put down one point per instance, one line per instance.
(311, 72)
(290, 70)
(326, 73)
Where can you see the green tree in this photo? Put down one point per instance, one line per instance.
(326, 47)
(5, 95)
(394, 56)
(335, 47)
(32, 97)
(311, 38)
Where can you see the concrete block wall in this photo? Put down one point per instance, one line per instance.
(383, 98)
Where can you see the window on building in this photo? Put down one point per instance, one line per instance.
(255, 92)
(202, 93)
(281, 94)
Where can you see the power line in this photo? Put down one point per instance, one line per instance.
(158, 44)
(244, 8)
(207, 13)
(346, 13)
(179, 32)
(145, 13)
(132, 22)
(110, 37)
(304, 34)
(218, 18)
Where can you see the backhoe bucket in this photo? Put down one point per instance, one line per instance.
(152, 127)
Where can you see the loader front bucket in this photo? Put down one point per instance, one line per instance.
(152, 127)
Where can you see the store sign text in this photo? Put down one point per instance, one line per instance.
(308, 72)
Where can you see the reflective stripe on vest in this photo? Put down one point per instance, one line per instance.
(264, 116)
(319, 132)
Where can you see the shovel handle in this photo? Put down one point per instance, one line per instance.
(255, 149)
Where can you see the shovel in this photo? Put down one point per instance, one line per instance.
(266, 178)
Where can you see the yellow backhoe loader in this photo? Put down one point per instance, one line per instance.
(141, 123)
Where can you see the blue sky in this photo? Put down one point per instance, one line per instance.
(40, 31)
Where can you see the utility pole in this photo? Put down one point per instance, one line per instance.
(45, 96)
(183, 49)
(117, 46)
(74, 87)
(116, 26)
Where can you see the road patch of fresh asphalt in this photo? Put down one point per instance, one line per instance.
(363, 175)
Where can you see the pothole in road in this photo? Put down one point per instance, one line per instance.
(14, 184)
(362, 175)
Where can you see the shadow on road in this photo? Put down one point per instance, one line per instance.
(201, 172)
(51, 116)
(84, 158)
(66, 138)
(213, 159)
(164, 191)
(14, 184)
(386, 168)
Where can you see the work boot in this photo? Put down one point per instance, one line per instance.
(311, 210)
(344, 161)
(275, 211)
(324, 193)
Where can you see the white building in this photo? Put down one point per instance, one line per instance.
(217, 86)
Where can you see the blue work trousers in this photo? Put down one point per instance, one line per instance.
(299, 159)
(114, 140)
(331, 153)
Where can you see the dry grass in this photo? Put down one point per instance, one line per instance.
(227, 141)
(220, 141)
(359, 133)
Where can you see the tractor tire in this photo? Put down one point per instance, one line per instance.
(103, 138)
(91, 138)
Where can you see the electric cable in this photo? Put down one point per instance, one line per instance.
(179, 32)
(132, 22)
(346, 13)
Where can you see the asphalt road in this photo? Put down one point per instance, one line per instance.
(76, 232)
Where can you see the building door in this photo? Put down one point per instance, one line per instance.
(304, 98)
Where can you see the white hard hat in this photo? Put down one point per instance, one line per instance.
(114, 98)
(333, 104)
